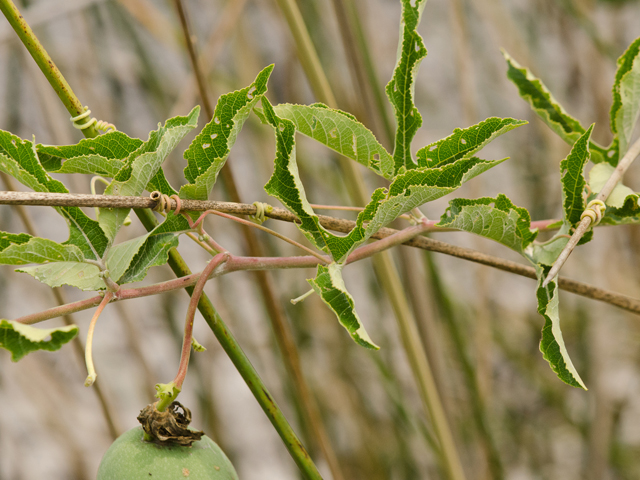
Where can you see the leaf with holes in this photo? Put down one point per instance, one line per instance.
(534, 92)
(330, 286)
(209, 151)
(101, 150)
(341, 132)
(285, 182)
(626, 97)
(21, 339)
(407, 191)
(495, 218)
(463, 143)
(552, 344)
(401, 87)
(19, 159)
(23, 249)
(142, 165)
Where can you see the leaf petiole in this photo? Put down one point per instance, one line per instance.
(88, 356)
(169, 392)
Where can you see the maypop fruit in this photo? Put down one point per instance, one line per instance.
(132, 458)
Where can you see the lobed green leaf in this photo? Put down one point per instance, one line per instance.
(573, 181)
(81, 275)
(552, 344)
(598, 176)
(330, 286)
(209, 151)
(22, 249)
(534, 92)
(626, 98)
(154, 252)
(102, 155)
(121, 255)
(495, 218)
(86, 276)
(110, 146)
(21, 339)
(19, 159)
(407, 191)
(142, 165)
(623, 204)
(463, 143)
(341, 132)
(401, 87)
(92, 165)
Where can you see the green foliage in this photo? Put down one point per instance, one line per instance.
(626, 97)
(209, 151)
(572, 178)
(103, 155)
(401, 88)
(330, 286)
(533, 91)
(552, 344)
(142, 165)
(23, 249)
(19, 159)
(90, 259)
(495, 218)
(22, 339)
(84, 276)
(341, 132)
(463, 143)
(623, 204)
(153, 252)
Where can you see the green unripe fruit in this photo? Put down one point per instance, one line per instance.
(131, 458)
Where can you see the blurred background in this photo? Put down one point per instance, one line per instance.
(511, 417)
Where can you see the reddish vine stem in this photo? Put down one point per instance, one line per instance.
(235, 264)
(198, 223)
(191, 313)
(173, 389)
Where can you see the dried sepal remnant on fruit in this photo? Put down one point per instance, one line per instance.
(170, 427)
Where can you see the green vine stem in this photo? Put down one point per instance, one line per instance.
(383, 264)
(177, 264)
(44, 61)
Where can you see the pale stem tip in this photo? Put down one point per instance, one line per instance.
(301, 297)
(91, 378)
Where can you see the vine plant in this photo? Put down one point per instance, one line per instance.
(92, 260)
